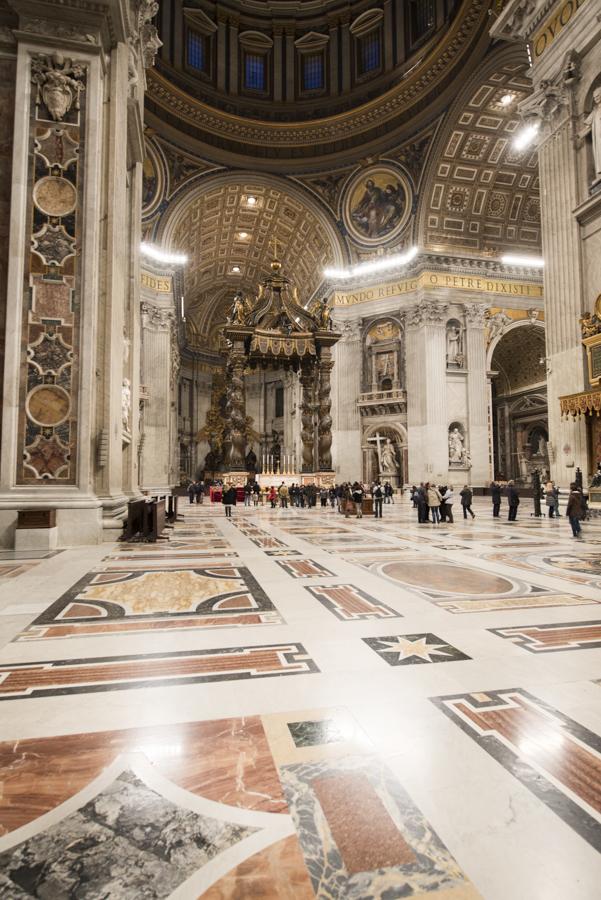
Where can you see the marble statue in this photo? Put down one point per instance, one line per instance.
(125, 404)
(453, 343)
(594, 121)
(388, 460)
(455, 446)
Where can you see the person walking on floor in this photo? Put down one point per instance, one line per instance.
(247, 493)
(199, 491)
(192, 491)
(378, 497)
(575, 511)
(447, 504)
(513, 501)
(495, 493)
(466, 501)
(550, 498)
(256, 492)
(556, 499)
(272, 496)
(228, 499)
(434, 501)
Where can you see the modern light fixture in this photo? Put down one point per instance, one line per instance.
(377, 265)
(507, 99)
(526, 135)
(511, 259)
(235, 270)
(243, 235)
(162, 256)
(251, 201)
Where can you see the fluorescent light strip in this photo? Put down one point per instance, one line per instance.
(535, 261)
(378, 265)
(175, 259)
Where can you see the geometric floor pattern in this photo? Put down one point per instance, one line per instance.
(440, 738)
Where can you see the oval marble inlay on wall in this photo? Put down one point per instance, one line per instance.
(48, 405)
(445, 577)
(54, 195)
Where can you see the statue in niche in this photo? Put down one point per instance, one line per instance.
(456, 450)
(388, 460)
(454, 348)
(125, 404)
(593, 121)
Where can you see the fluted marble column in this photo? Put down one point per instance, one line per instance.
(346, 389)
(427, 424)
(477, 394)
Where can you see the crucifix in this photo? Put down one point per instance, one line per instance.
(377, 440)
(274, 241)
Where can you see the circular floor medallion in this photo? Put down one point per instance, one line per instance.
(48, 405)
(54, 195)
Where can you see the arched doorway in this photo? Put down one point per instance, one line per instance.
(517, 360)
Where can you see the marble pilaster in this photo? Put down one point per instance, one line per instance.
(158, 319)
(477, 394)
(426, 402)
(346, 447)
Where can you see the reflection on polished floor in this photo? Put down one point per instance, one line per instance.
(151, 747)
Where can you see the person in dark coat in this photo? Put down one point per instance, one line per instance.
(422, 504)
(228, 499)
(495, 493)
(378, 498)
(575, 510)
(513, 501)
(199, 491)
(466, 502)
(191, 491)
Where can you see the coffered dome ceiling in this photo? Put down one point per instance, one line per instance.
(233, 78)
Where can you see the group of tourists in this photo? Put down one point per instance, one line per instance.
(347, 498)
(434, 503)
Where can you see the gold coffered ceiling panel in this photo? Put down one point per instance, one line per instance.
(230, 241)
(484, 194)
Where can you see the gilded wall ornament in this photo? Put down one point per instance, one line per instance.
(59, 81)
(54, 196)
(377, 204)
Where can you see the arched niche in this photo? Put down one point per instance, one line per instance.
(517, 365)
(396, 433)
(383, 355)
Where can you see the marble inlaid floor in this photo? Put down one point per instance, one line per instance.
(296, 705)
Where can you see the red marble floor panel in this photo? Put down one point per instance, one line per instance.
(369, 839)
(349, 603)
(228, 761)
(554, 756)
(58, 677)
(303, 568)
(557, 636)
(279, 872)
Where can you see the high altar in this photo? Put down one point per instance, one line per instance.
(273, 330)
